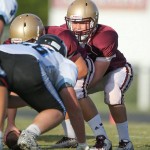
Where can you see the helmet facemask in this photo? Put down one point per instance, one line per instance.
(83, 36)
(83, 12)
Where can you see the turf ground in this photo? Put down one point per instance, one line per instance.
(141, 140)
(139, 126)
(139, 130)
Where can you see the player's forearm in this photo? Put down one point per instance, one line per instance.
(100, 70)
(82, 68)
(11, 115)
(3, 105)
(74, 111)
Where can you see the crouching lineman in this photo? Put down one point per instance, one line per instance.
(37, 74)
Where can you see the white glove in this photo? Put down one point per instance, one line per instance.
(82, 146)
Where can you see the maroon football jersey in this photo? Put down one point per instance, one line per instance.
(69, 40)
(104, 43)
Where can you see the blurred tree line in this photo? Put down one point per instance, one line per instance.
(37, 7)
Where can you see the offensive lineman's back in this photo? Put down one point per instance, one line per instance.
(51, 63)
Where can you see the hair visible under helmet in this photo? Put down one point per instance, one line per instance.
(82, 11)
(26, 27)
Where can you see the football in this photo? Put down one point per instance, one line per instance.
(11, 140)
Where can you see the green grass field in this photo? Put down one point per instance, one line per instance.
(140, 139)
(139, 131)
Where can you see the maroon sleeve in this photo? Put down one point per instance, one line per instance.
(68, 38)
(107, 42)
(71, 43)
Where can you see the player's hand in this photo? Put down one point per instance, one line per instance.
(10, 127)
(83, 146)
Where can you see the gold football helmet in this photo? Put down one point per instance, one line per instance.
(82, 11)
(26, 27)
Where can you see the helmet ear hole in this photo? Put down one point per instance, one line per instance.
(54, 42)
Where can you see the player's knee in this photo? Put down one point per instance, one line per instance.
(113, 99)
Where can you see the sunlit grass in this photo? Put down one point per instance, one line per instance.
(139, 133)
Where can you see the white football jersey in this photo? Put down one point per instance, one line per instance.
(8, 9)
(58, 68)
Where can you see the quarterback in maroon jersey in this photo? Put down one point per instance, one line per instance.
(113, 74)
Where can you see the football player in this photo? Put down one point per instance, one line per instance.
(37, 74)
(113, 73)
(7, 13)
(92, 117)
(30, 27)
(82, 83)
